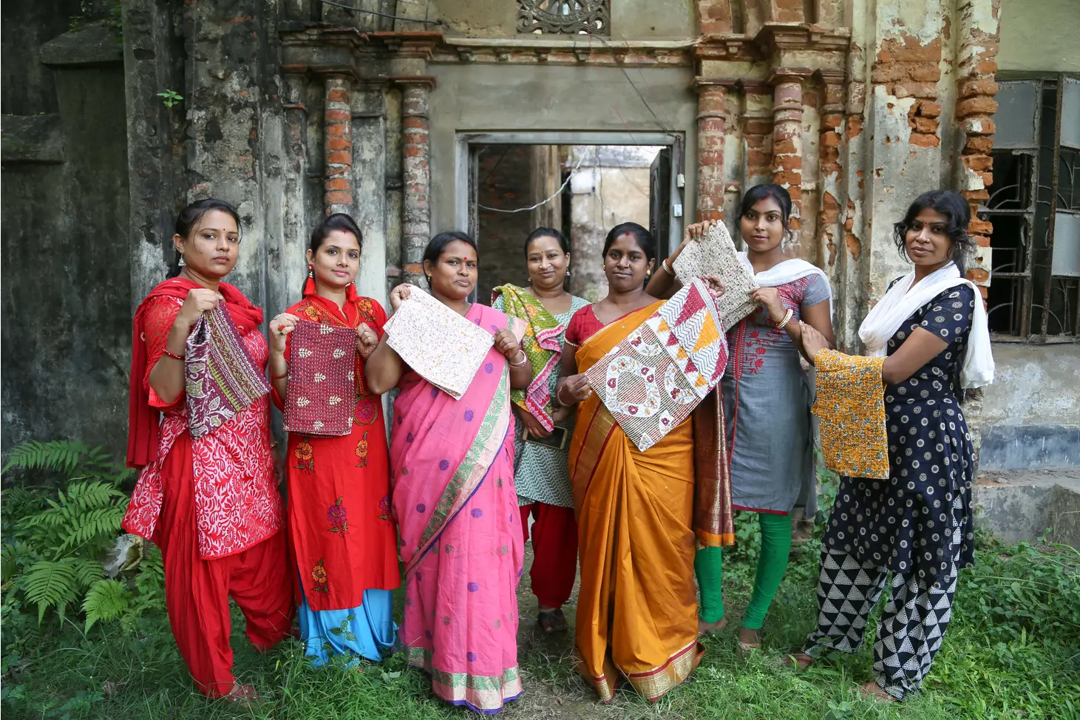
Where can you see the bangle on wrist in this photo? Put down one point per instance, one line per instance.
(524, 359)
(667, 266)
(169, 353)
(281, 376)
(787, 318)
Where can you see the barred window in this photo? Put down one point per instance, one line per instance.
(564, 17)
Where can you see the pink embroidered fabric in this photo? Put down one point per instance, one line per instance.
(322, 380)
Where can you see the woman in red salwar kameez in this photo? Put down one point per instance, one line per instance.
(211, 504)
(343, 538)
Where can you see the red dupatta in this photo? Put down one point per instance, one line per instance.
(143, 419)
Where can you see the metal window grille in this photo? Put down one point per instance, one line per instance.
(564, 17)
(1034, 206)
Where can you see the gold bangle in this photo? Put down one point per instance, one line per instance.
(787, 318)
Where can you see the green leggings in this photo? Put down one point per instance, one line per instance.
(775, 548)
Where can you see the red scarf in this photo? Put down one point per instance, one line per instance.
(143, 420)
(349, 313)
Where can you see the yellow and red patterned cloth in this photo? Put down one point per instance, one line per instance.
(850, 408)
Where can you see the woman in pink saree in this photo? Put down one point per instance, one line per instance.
(452, 479)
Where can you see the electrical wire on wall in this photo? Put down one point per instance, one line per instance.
(542, 202)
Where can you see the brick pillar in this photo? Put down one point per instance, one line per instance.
(787, 142)
(976, 89)
(337, 124)
(714, 16)
(829, 166)
(416, 176)
(710, 149)
(757, 133)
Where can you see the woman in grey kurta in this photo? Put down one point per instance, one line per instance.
(766, 404)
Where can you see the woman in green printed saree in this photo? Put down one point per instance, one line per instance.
(542, 443)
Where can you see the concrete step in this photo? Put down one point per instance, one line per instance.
(1020, 505)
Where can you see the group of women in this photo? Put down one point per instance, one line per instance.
(530, 449)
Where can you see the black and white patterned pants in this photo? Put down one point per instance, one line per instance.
(911, 628)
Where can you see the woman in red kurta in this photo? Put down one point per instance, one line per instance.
(343, 537)
(211, 504)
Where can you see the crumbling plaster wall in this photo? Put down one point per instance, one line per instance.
(637, 19)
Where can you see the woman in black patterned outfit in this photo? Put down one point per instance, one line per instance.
(917, 524)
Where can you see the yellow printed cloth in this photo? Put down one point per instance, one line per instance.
(851, 410)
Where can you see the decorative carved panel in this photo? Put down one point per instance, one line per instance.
(564, 17)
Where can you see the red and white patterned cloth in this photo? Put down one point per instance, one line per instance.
(237, 504)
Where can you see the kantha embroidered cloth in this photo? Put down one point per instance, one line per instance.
(651, 381)
(714, 254)
(322, 379)
(441, 346)
(220, 377)
(851, 410)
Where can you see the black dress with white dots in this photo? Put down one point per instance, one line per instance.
(913, 522)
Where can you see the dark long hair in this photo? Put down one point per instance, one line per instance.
(337, 221)
(958, 215)
(438, 243)
(541, 232)
(761, 192)
(189, 218)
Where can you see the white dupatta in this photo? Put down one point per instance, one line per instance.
(901, 302)
(787, 271)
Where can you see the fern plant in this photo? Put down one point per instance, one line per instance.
(55, 540)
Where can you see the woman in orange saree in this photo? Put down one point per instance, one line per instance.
(639, 514)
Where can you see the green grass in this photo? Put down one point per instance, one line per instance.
(1012, 651)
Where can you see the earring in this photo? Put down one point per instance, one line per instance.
(180, 262)
(311, 271)
(567, 272)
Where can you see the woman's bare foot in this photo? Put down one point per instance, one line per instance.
(872, 689)
(800, 660)
(749, 640)
(242, 694)
(704, 628)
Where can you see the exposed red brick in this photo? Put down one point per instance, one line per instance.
(338, 96)
(929, 109)
(854, 127)
(413, 150)
(925, 140)
(978, 86)
(976, 106)
(338, 198)
(975, 196)
(337, 115)
(986, 125)
(332, 170)
(339, 156)
(786, 11)
(987, 178)
(978, 162)
(794, 223)
(338, 144)
(788, 162)
(854, 246)
(977, 144)
(414, 123)
(980, 227)
(337, 130)
(926, 125)
(787, 179)
(915, 89)
(832, 121)
(926, 73)
(758, 127)
(981, 240)
(909, 49)
(338, 183)
(978, 275)
(986, 67)
(784, 147)
(887, 73)
(830, 139)
(757, 158)
(704, 215)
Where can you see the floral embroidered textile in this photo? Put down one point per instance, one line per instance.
(221, 378)
(851, 409)
(651, 381)
(541, 346)
(441, 346)
(322, 379)
(714, 254)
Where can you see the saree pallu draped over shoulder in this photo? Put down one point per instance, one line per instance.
(640, 516)
(452, 472)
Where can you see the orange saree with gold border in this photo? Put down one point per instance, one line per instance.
(640, 515)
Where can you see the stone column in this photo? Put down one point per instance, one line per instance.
(416, 175)
(710, 150)
(337, 127)
(830, 143)
(787, 142)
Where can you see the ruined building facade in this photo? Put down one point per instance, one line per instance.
(295, 108)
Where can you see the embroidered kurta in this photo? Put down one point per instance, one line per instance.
(767, 404)
(237, 503)
(340, 522)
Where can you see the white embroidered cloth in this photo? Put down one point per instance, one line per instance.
(714, 254)
(442, 346)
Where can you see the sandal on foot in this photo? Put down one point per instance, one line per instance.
(552, 621)
(749, 640)
(873, 690)
(704, 628)
(799, 660)
(242, 694)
